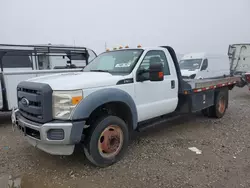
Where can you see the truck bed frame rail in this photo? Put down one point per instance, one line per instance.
(207, 84)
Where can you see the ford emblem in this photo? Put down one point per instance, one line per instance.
(25, 102)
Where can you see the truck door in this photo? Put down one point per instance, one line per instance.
(156, 98)
(15, 64)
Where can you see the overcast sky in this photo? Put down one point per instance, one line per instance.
(186, 25)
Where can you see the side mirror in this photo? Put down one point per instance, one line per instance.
(142, 75)
(156, 72)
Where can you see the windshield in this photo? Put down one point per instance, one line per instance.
(121, 61)
(190, 64)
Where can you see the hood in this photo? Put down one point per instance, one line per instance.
(78, 80)
(188, 72)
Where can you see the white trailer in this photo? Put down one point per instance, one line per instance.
(239, 55)
(22, 62)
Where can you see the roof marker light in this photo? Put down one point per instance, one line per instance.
(120, 47)
(139, 46)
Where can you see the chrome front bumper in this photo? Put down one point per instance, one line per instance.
(38, 135)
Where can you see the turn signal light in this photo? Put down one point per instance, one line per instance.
(160, 74)
(76, 100)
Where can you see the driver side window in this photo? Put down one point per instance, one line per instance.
(154, 56)
(204, 65)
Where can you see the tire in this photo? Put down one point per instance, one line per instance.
(219, 108)
(106, 141)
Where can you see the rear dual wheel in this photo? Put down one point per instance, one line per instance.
(219, 108)
(106, 141)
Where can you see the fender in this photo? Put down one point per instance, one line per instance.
(102, 96)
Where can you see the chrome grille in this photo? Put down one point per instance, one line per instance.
(35, 101)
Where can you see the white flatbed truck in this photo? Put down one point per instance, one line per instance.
(119, 92)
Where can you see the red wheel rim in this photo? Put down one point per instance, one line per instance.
(110, 141)
(222, 105)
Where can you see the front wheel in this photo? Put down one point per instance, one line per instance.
(106, 141)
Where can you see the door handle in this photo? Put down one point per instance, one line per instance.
(172, 84)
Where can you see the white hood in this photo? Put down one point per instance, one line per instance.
(188, 73)
(78, 80)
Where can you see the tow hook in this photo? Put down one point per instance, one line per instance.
(13, 118)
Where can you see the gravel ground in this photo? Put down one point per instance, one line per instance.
(157, 157)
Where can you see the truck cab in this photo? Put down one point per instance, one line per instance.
(129, 71)
(119, 92)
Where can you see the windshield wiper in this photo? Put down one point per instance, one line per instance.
(98, 70)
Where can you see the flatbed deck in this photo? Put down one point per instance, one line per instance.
(206, 83)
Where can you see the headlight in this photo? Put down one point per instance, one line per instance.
(64, 103)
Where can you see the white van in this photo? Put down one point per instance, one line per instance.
(203, 65)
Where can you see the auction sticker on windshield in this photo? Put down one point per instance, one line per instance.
(123, 65)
